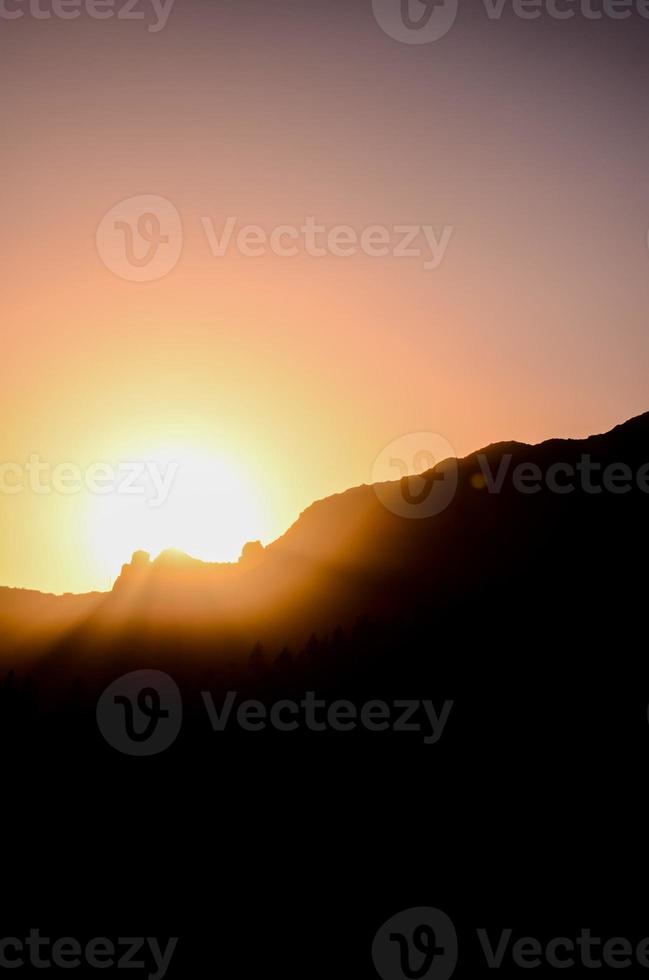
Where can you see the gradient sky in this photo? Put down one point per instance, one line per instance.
(529, 138)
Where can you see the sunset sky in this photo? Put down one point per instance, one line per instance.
(277, 380)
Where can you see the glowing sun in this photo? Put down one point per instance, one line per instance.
(175, 497)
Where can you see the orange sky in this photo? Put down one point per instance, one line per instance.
(293, 373)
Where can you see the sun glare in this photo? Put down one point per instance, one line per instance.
(175, 497)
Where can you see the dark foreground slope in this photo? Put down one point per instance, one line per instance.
(526, 610)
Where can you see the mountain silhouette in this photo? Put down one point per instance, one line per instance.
(561, 564)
